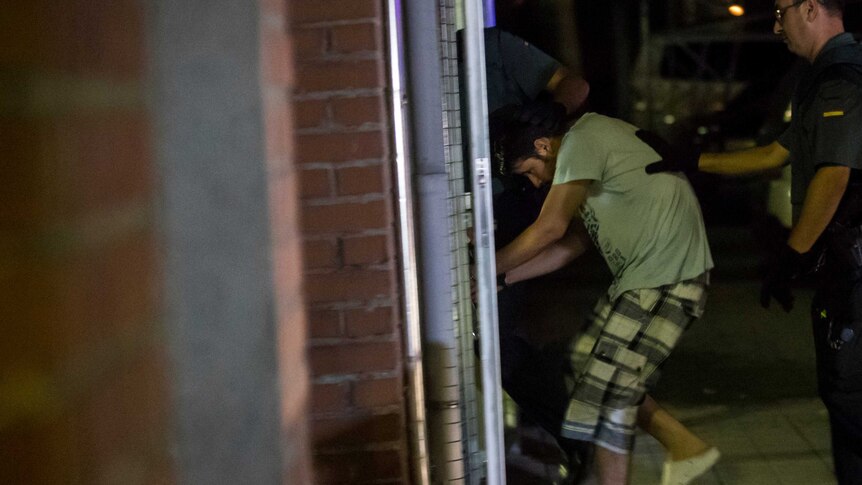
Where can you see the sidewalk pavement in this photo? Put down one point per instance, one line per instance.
(780, 443)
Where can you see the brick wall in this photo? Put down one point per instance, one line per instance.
(277, 81)
(82, 368)
(351, 278)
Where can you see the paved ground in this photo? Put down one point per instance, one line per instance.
(743, 379)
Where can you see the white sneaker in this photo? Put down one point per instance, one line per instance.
(681, 472)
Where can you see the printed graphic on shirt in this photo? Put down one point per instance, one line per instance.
(613, 256)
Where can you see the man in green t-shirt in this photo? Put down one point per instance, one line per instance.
(650, 231)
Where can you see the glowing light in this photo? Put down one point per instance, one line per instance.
(669, 119)
(736, 10)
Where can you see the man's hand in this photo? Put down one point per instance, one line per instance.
(782, 269)
(545, 113)
(673, 159)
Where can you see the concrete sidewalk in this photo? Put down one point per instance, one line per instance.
(781, 443)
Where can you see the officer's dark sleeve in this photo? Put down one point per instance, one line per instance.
(838, 127)
(527, 66)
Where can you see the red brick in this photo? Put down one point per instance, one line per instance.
(355, 37)
(309, 11)
(315, 183)
(125, 416)
(292, 337)
(324, 323)
(277, 128)
(310, 114)
(352, 430)
(309, 43)
(108, 153)
(276, 56)
(329, 397)
(24, 143)
(358, 111)
(80, 37)
(361, 180)
(297, 459)
(340, 147)
(283, 209)
(357, 466)
(340, 75)
(365, 323)
(353, 358)
(366, 250)
(106, 38)
(274, 7)
(348, 286)
(377, 392)
(320, 254)
(96, 295)
(46, 451)
(345, 217)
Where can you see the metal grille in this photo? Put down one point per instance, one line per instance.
(460, 220)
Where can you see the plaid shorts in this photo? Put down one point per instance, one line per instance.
(618, 356)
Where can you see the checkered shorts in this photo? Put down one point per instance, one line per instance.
(618, 356)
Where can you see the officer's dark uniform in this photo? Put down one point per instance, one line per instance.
(827, 130)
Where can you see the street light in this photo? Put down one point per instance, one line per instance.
(736, 9)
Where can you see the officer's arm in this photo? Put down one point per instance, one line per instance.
(751, 160)
(821, 201)
(560, 207)
(568, 89)
(573, 244)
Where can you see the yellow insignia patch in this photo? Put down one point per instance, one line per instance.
(829, 114)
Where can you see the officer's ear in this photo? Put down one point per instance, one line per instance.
(542, 146)
(811, 9)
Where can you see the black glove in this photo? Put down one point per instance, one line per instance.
(544, 112)
(783, 268)
(673, 159)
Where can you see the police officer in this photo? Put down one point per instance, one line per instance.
(824, 148)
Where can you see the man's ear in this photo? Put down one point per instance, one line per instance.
(542, 146)
(812, 9)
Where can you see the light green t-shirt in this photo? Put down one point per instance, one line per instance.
(649, 228)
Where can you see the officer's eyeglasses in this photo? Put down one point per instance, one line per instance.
(779, 12)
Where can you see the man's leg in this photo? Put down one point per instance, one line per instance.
(839, 375)
(845, 421)
(612, 468)
(673, 435)
(618, 356)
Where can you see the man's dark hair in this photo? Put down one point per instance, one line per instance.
(513, 140)
(834, 6)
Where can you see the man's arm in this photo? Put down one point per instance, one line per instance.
(751, 160)
(568, 89)
(821, 201)
(573, 244)
(560, 207)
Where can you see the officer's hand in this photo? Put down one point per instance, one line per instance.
(783, 268)
(545, 113)
(673, 159)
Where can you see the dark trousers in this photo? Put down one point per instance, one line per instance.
(533, 377)
(838, 306)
